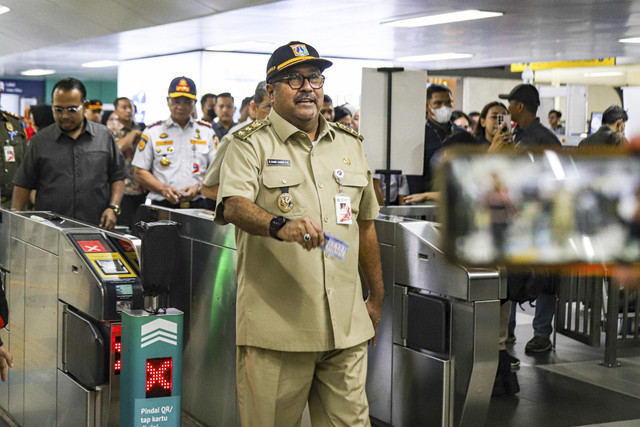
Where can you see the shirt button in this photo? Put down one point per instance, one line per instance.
(320, 185)
(284, 181)
(326, 219)
(326, 255)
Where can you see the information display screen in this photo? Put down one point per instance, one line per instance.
(159, 377)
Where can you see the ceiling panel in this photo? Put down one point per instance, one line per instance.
(62, 34)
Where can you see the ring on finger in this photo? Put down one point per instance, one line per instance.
(306, 237)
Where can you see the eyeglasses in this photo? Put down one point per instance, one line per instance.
(296, 81)
(182, 101)
(71, 110)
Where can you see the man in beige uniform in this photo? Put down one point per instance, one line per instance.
(302, 323)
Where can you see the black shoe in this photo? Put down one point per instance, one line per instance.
(511, 385)
(513, 361)
(538, 345)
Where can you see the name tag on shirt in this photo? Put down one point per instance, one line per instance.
(9, 154)
(343, 209)
(278, 162)
(198, 141)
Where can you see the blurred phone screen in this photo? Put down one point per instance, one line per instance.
(543, 208)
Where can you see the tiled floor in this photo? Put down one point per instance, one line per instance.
(568, 386)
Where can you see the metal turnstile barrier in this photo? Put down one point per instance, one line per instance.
(438, 341)
(590, 305)
(67, 284)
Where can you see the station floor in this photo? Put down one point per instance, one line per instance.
(568, 386)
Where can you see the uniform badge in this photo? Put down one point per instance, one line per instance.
(9, 126)
(196, 168)
(158, 150)
(163, 135)
(299, 50)
(165, 162)
(346, 160)
(285, 202)
(215, 142)
(141, 145)
(170, 149)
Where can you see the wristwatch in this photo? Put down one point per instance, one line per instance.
(275, 225)
(115, 208)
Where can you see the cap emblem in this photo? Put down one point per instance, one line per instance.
(182, 86)
(299, 50)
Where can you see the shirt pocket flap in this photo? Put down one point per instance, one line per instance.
(282, 178)
(355, 180)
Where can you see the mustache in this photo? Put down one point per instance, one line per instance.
(306, 97)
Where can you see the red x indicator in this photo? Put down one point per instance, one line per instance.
(159, 373)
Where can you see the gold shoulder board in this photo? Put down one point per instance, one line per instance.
(348, 130)
(248, 130)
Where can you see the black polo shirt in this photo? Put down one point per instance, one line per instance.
(72, 177)
(535, 134)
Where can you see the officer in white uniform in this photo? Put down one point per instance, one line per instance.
(173, 155)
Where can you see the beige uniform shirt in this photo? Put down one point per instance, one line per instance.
(290, 299)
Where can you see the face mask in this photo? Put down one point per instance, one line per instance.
(442, 115)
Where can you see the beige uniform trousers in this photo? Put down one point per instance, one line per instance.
(274, 387)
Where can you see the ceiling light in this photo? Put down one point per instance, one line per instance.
(444, 18)
(604, 74)
(630, 40)
(100, 64)
(249, 46)
(4, 9)
(37, 72)
(434, 57)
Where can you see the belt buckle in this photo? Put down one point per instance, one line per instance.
(185, 205)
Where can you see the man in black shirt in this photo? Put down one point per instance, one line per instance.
(437, 129)
(74, 165)
(524, 101)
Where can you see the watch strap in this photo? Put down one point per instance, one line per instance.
(275, 225)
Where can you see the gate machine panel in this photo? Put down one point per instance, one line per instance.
(67, 284)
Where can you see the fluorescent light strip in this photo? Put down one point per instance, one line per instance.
(604, 74)
(37, 72)
(243, 46)
(630, 40)
(444, 18)
(100, 64)
(434, 57)
(4, 9)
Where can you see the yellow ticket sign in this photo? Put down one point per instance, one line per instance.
(110, 265)
(600, 62)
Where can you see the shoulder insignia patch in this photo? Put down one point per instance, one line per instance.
(248, 130)
(200, 122)
(154, 124)
(347, 130)
(142, 144)
(144, 137)
(11, 115)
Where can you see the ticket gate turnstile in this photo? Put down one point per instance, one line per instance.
(437, 348)
(67, 284)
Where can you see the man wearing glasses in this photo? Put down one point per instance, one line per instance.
(75, 166)
(173, 155)
(288, 183)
